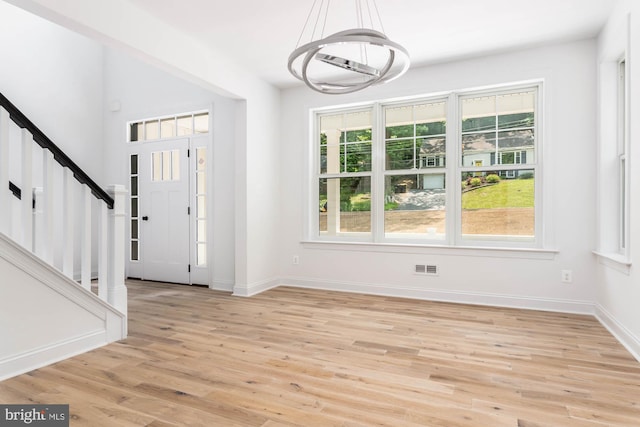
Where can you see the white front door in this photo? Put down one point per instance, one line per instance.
(164, 199)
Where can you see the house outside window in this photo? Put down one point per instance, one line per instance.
(390, 180)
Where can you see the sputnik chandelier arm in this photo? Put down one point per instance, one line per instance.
(349, 60)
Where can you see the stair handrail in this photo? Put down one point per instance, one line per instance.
(45, 142)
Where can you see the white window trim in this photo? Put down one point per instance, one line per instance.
(623, 124)
(454, 239)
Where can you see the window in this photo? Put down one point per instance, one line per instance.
(384, 172)
(623, 172)
(414, 203)
(165, 165)
(201, 206)
(344, 182)
(133, 199)
(169, 127)
(498, 172)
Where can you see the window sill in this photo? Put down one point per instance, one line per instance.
(435, 249)
(614, 261)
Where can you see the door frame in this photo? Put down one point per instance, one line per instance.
(200, 275)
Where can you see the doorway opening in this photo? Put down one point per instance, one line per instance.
(168, 172)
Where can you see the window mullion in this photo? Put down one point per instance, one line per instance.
(378, 174)
(454, 161)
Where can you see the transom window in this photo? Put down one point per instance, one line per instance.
(185, 124)
(392, 179)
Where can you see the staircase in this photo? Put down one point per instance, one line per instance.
(59, 231)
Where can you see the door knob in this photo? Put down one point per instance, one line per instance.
(145, 218)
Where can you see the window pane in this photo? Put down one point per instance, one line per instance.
(516, 109)
(156, 166)
(134, 228)
(151, 130)
(356, 157)
(345, 205)
(414, 206)
(345, 142)
(201, 254)
(520, 120)
(134, 185)
(185, 125)
(134, 208)
(201, 123)
(168, 128)
(518, 141)
(201, 183)
(399, 122)
(323, 159)
(404, 127)
(499, 203)
(134, 251)
(479, 113)
(201, 158)
(175, 165)
(135, 132)
(479, 148)
(431, 152)
(134, 164)
(201, 230)
(477, 124)
(400, 154)
(201, 207)
(430, 118)
(166, 165)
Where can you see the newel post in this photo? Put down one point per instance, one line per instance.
(117, 291)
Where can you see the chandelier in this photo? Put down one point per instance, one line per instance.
(349, 60)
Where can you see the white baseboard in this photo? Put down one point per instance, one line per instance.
(21, 363)
(251, 289)
(496, 300)
(622, 334)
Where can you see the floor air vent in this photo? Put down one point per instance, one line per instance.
(429, 270)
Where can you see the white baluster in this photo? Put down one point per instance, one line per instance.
(117, 294)
(68, 210)
(47, 208)
(38, 220)
(103, 252)
(85, 238)
(5, 194)
(27, 190)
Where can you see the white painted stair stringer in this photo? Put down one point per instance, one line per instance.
(45, 316)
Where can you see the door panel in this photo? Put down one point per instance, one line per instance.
(164, 202)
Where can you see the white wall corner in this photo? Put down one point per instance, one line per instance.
(622, 334)
(251, 289)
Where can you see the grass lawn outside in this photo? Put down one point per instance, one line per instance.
(512, 193)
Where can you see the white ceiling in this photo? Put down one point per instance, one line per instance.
(260, 34)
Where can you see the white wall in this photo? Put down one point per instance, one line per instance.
(479, 276)
(55, 78)
(142, 91)
(618, 285)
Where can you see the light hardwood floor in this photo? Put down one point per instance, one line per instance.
(293, 357)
